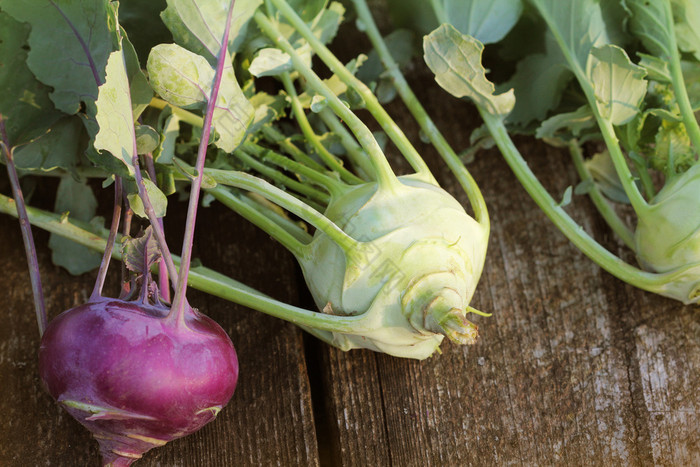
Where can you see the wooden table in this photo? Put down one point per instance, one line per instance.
(574, 366)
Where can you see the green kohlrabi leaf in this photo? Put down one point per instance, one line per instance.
(199, 26)
(115, 116)
(455, 59)
(24, 101)
(157, 198)
(70, 43)
(268, 108)
(307, 9)
(401, 46)
(486, 21)
(60, 147)
(77, 199)
(648, 22)
(270, 62)
(577, 25)
(691, 76)
(605, 177)
(539, 81)
(566, 197)
(687, 13)
(140, 90)
(169, 129)
(142, 22)
(179, 76)
(325, 27)
(142, 252)
(619, 85)
(147, 139)
(184, 79)
(656, 68)
(417, 15)
(562, 127)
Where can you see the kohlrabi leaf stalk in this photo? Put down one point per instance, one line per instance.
(180, 304)
(476, 199)
(666, 242)
(114, 226)
(25, 226)
(200, 278)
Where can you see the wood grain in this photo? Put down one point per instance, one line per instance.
(573, 368)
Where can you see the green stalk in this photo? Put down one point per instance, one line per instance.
(332, 185)
(300, 114)
(386, 178)
(276, 213)
(201, 278)
(281, 178)
(270, 226)
(476, 199)
(285, 200)
(184, 115)
(651, 282)
(643, 174)
(272, 135)
(691, 125)
(605, 209)
(357, 156)
(375, 108)
(606, 128)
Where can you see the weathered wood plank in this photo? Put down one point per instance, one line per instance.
(574, 366)
(269, 421)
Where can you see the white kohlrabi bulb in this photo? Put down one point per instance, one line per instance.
(412, 275)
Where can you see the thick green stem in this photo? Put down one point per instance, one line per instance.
(300, 114)
(375, 108)
(200, 278)
(332, 185)
(603, 206)
(606, 128)
(277, 214)
(266, 223)
(620, 162)
(411, 101)
(285, 200)
(272, 135)
(184, 115)
(686, 109)
(357, 156)
(574, 232)
(640, 165)
(279, 177)
(386, 178)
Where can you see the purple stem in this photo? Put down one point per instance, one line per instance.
(145, 280)
(151, 214)
(163, 279)
(104, 265)
(126, 230)
(29, 247)
(178, 307)
(83, 44)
